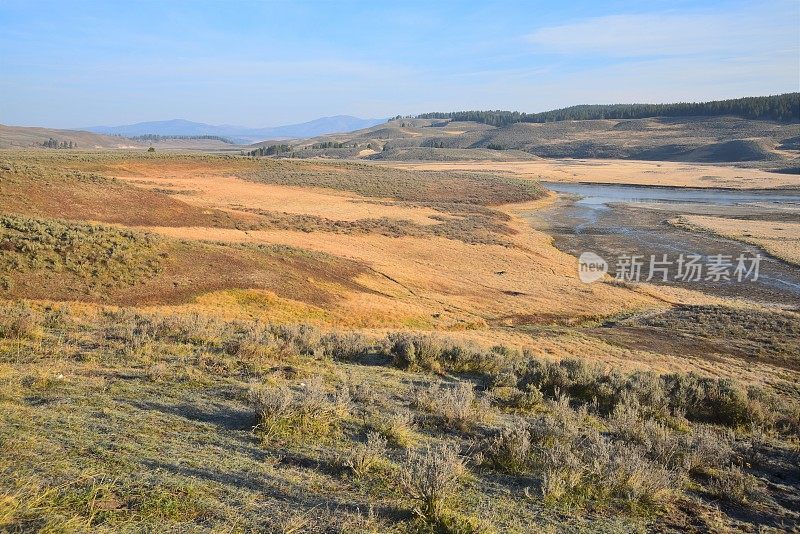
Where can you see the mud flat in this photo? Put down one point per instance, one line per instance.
(617, 220)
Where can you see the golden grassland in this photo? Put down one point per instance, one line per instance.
(193, 342)
(484, 267)
(658, 173)
(779, 238)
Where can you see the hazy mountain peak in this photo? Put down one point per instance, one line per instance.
(321, 126)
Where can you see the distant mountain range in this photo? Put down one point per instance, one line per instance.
(241, 134)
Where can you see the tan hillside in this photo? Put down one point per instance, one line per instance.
(28, 137)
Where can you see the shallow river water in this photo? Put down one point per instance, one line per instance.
(617, 222)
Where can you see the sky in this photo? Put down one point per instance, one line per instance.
(259, 63)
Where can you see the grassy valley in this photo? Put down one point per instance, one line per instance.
(216, 342)
(391, 268)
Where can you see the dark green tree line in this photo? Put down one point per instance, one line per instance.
(783, 108)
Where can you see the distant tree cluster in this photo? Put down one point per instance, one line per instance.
(271, 150)
(157, 138)
(55, 143)
(328, 144)
(784, 108)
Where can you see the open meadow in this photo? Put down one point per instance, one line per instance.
(649, 173)
(214, 342)
(317, 267)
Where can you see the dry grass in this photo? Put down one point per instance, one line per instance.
(470, 285)
(780, 239)
(620, 172)
(250, 425)
(45, 258)
(454, 264)
(221, 190)
(47, 189)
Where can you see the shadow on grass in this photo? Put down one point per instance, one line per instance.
(295, 495)
(221, 416)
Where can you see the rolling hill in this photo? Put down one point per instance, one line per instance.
(689, 139)
(26, 137)
(752, 129)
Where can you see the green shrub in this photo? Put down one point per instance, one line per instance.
(397, 428)
(347, 347)
(701, 399)
(435, 353)
(416, 351)
(305, 412)
(364, 457)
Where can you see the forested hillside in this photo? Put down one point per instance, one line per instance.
(785, 108)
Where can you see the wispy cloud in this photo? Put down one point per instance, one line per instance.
(667, 33)
(120, 62)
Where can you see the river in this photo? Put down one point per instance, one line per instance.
(618, 222)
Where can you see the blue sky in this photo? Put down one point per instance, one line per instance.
(72, 64)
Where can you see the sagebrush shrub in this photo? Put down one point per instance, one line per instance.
(510, 449)
(347, 347)
(303, 412)
(19, 321)
(301, 339)
(397, 428)
(578, 466)
(707, 448)
(416, 351)
(733, 484)
(435, 353)
(700, 399)
(592, 469)
(363, 457)
(97, 255)
(429, 476)
(457, 406)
